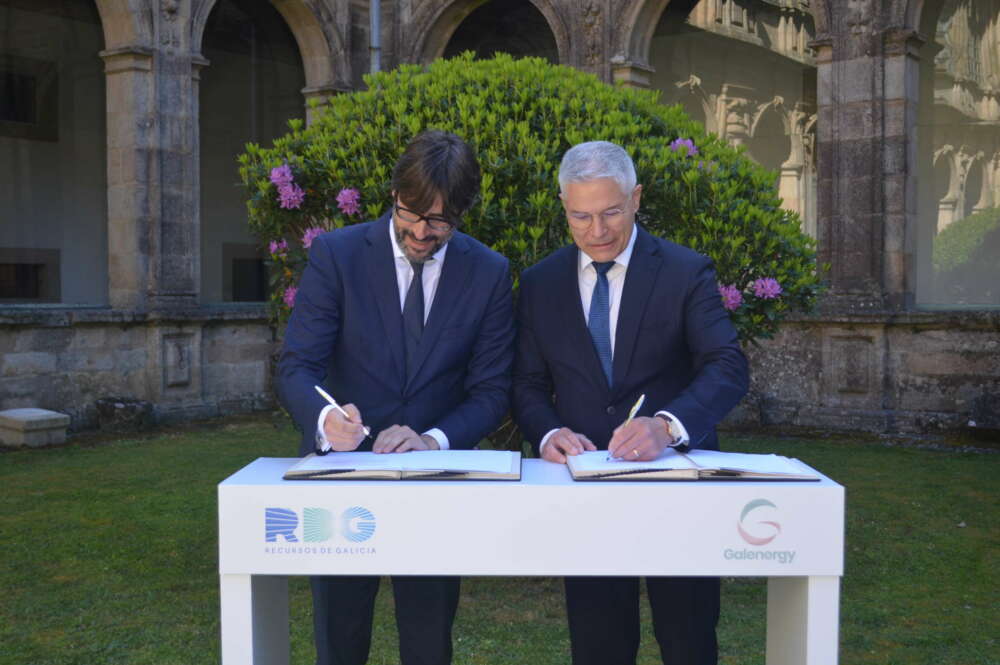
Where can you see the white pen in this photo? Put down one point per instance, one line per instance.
(631, 414)
(333, 402)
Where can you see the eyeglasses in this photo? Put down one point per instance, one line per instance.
(582, 220)
(410, 217)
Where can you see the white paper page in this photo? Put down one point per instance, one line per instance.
(596, 460)
(496, 461)
(714, 459)
(347, 460)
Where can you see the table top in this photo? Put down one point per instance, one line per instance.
(544, 524)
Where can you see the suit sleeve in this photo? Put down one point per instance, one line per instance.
(721, 373)
(534, 411)
(310, 337)
(487, 380)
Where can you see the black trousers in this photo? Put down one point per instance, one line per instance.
(603, 617)
(343, 608)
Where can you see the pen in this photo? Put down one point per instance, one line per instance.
(631, 414)
(333, 402)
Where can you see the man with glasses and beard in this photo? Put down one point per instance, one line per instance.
(408, 323)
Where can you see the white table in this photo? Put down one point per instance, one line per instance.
(790, 532)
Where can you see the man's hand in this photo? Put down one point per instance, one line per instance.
(400, 438)
(641, 440)
(344, 433)
(565, 442)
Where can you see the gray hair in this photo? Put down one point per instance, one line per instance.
(597, 159)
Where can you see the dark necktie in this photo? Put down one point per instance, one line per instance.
(413, 318)
(599, 321)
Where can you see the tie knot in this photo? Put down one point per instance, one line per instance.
(418, 267)
(602, 268)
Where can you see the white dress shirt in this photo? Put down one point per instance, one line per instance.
(404, 275)
(587, 278)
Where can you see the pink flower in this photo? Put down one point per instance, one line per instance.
(277, 247)
(281, 176)
(731, 297)
(678, 144)
(291, 196)
(348, 200)
(310, 235)
(289, 296)
(767, 288)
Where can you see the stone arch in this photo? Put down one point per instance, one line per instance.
(434, 27)
(775, 106)
(321, 46)
(126, 23)
(694, 97)
(638, 25)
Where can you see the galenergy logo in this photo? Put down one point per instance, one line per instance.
(752, 531)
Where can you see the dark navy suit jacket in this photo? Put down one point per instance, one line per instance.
(674, 342)
(346, 334)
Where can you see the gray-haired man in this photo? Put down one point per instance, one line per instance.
(618, 314)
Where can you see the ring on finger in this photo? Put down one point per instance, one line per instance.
(636, 453)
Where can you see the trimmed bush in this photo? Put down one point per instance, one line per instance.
(520, 116)
(965, 259)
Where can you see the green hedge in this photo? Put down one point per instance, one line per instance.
(520, 116)
(965, 257)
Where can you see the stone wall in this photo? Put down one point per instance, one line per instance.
(914, 373)
(187, 364)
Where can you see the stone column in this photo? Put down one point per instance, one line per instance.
(318, 97)
(132, 172)
(175, 239)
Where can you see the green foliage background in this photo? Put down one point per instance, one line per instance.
(965, 259)
(520, 116)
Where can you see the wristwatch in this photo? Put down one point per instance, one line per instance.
(674, 430)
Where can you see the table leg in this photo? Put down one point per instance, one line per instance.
(803, 616)
(254, 616)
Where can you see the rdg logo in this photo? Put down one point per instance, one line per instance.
(357, 524)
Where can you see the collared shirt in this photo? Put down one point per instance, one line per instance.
(587, 278)
(404, 275)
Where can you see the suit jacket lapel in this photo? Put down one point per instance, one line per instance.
(385, 288)
(639, 280)
(454, 279)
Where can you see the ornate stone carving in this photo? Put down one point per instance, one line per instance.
(591, 17)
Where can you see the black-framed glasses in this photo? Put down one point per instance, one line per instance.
(411, 217)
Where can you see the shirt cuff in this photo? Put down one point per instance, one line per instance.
(439, 436)
(322, 445)
(683, 439)
(545, 439)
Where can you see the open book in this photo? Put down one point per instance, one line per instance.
(692, 465)
(415, 465)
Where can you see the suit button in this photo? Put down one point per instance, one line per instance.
(611, 410)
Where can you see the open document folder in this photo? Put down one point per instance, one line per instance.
(692, 465)
(415, 465)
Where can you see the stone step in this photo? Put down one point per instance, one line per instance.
(32, 427)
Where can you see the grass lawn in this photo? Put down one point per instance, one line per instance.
(108, 554)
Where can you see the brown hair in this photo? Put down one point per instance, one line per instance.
(437, 163)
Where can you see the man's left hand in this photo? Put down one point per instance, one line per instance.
(641, 440)
(400, 438)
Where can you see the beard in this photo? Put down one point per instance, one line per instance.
(438, 242)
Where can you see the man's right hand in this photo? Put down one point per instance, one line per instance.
(344, 433)
(565, 442)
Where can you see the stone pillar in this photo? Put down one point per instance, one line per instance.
(630, 74)
(318, 97)
(153, 194)
(132, 172)
(175, 239)
(867, 98)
